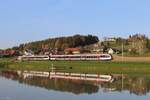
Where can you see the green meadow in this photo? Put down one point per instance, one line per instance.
(82, 66)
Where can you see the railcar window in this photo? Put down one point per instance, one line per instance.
(104, 56)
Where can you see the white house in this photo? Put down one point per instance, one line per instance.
(110, 51)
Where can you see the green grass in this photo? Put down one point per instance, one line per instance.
(84, 66)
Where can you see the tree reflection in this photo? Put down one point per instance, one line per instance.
(134, 84)
(139, 85)
(62, 85)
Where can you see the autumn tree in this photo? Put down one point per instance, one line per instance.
(139, 43)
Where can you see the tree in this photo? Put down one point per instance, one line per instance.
(61, 43)
(139, 43)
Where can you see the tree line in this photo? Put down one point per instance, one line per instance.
(59, 43)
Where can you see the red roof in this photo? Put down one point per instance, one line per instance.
(73, 49)
(1, 51)
(7, 52)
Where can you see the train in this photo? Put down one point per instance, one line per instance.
(33, 58)
(78, 57)
(82, 57)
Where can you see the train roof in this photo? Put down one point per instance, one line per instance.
(82, 55)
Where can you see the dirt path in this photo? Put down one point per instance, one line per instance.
(132, 59)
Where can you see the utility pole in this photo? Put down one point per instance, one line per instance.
(122, 51)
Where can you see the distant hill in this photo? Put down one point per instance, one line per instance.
(60, 43)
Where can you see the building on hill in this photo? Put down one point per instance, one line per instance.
(100, 49)
(110, 39)
(1, 53)
(95, 48)
(7, 52)
(73, 51)
(111, 51)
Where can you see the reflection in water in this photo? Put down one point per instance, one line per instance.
(63, 85)
(139, 85)
(72, 86)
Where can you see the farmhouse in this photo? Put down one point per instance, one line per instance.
(73, 51)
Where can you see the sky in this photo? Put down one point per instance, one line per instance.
(24, 21)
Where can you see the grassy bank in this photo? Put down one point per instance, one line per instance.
(84, 66)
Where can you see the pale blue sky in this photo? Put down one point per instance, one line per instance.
(28, 20)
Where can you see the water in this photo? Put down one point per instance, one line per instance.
(16, 87)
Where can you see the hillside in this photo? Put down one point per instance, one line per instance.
(59, 43)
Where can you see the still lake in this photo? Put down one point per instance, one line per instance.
(123, 87)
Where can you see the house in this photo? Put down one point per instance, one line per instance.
(1, 53)
(101, 49)
(72, 51)
(7, 52)
(111, 51)
(110, 39)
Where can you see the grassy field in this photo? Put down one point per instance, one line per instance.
(84, 66)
